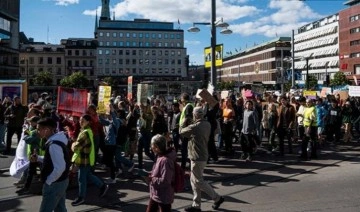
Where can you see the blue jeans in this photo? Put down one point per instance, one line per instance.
(144, 146)
(54, 196)
(119, 159)
(84, 175)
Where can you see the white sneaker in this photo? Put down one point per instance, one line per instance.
(110, 181)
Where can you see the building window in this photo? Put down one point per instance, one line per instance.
(166, 35)
(140, 35)
(58, 71)
(107, 61)
(134, 70)
(41, 60)
(108, 34)
(159, 45)
(166, 44)
(58, 60)
(147, 44)
(69, 62)
(120, 61)
(357, 69)
(140, 61)
(172, 36)
(153, 35)
(128, 35)
(134, 35)
(100, 51)
(178, 36)
(153, 52)
(127, 61)
(134, 43)
(84, 52)
(179, 61)
(128, 43)
(107, 43)
(107, 52)
(159, 35)
(113, 52)
(114, 34)
(159, 61)
(113, 71)
(140, 44)
(84, 63)
(121, 43)
(134, 61)
(354, 42)
(101, 34)
(133, 52)
(153, 62)
(121, 52)
(77, 53)
(77, 63)
(121, 34)
(69, 52)
(147, 35)
(160, 52)
(114, 43)
(354, 30)
(49, 60)
(114, 61)
(127, 52)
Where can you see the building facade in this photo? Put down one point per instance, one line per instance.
(146, 50)
(9, 39)
(262, 63)
(318, 42)
(37, 58)
(80, 56)
(349, 38)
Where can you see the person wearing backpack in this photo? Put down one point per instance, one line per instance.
(162, 177)
(198, 134)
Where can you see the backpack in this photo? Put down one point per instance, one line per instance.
(179, 183)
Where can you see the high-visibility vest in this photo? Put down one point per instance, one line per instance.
(310, 117)
(182, 115)
(76, 155)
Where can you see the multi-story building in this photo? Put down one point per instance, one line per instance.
(36, 58)
(261, 63)
(349, 38)
(9, 39)
(318, 44)
(144, 49)
(80, 56)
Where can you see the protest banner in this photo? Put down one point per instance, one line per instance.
(142, 93)
(72, 101)
(354, 91)
(204, 94)
(343, 94)
(309, 94)
(130, 90)
(104, 99)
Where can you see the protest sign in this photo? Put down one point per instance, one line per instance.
(354, 91)
(130, 90)
(224, 94)
(325, 91)
(310, 94)
(72, 101)
(204, 94)
(104, 99)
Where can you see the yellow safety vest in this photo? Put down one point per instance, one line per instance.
(310, 117)
(182, 115)
(76, 155)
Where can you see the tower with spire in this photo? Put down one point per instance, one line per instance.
(105, 10)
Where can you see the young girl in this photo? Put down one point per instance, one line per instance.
(162, 176)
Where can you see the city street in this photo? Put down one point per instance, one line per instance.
(268, 183)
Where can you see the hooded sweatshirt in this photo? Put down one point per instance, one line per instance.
(57, 158)
(162, 177)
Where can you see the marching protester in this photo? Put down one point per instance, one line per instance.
(249, 129)
(228, 115)
(198, 134)
(55, 169)
(333, 123)
(347, 112)
(162, 176)
(84, 159)
(186, 118)
(310, 136)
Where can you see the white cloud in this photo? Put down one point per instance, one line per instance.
(288, 15)
(66, 2)
(187, 11)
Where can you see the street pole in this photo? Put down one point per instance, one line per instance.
(239, 77)
(293, 60)
(282, 71)
(213, 43)
(307, 73)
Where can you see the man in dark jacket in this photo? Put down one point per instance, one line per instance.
(15, 114)
(333, 122)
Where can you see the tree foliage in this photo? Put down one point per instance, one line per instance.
(43, 78)
(312, 82)
(339, 79)
(225, 85)
(111, 81)
(75, 80)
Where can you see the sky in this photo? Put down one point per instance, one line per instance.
(252, 21)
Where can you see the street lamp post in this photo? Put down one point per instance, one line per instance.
(307, 73)
(213, 24)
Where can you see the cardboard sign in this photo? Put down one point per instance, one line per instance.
(224, 94)
(104, 99)
(72, 101)
(343, 94)
(204, 94)
(142, 93)
(354, 91)
(325, 91)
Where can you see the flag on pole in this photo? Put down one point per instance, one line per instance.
(178, 23)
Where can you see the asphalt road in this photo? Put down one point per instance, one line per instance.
(268, 183)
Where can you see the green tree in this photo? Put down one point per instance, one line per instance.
(111, 81)
(339, 79)
(225, 85)
(312, 82)
(75, 80)
(43, 78)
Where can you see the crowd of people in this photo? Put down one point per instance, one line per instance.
(64, 147)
